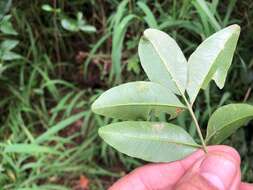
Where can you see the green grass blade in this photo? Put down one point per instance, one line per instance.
(149, 18)
(29, 149)
(59, 126)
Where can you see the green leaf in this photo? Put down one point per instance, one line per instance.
(135, 100)
(9, 55)
(118, 36)
(211, 60)
(29, 149)
(150, 17)
(226, 120)
(47, 7)
(133, 65)
(6, 26)
(5, 6)
(150, 141)
(59, 126)
(8, 44)
(203, 6)
(70, 24)
(163, 60)
(87, 28)
(5, 53)
(79, 17)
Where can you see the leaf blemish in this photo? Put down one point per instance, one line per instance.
(178, 110)
(142, 87)
(158, 126)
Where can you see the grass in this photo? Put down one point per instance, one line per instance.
(48, 135)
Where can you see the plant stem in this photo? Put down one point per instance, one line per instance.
(56, 35)
(196, 124)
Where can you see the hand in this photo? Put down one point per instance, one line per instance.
(217, 170)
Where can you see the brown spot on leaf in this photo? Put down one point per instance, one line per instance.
(178, 110)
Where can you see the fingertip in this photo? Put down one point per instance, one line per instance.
(221, 167)
(226, 151)
(217, 149)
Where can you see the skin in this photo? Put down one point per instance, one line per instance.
(219, 169)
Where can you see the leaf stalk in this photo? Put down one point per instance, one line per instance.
(196, 124)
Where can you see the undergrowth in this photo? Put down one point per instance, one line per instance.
(48, 135)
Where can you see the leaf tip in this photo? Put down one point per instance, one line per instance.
(149, 31)
(235, 27)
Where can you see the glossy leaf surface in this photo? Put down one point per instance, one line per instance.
(226, 120)
(150, 141)
(163, 60)
(211, 60)
(137, 100)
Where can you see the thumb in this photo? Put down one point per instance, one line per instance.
(217, 170)
(246, 186)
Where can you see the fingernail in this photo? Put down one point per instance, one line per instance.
(214, 180)
(218, 171)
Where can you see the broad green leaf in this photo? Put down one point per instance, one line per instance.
(226, 120)
(135, 100)
(150, 141)
(163, 60)
(211, 60)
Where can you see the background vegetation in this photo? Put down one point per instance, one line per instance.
(56, 57)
